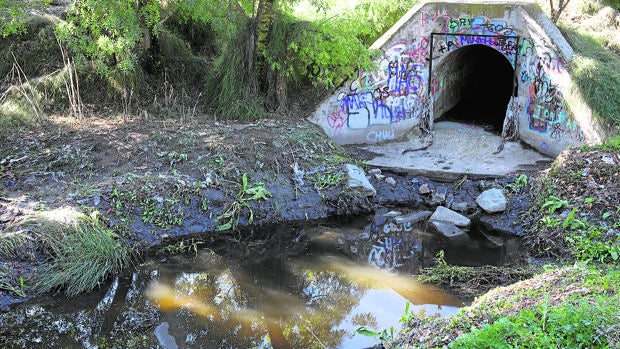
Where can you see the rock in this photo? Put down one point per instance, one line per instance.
(379, 177)
(447, 230)
(374, 172)
(445, 215)
(439, 196)
(608, 160)
(414, 217)
(6, 217)
(492, 200)
(391, 181)
(459, 206)
(358, 181)
(424, 189)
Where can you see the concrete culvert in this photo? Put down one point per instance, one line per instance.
(476, 85)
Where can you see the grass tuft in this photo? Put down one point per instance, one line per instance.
(85, 258)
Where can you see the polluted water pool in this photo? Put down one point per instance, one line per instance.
(310, 286)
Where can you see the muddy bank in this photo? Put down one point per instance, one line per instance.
(157, 183)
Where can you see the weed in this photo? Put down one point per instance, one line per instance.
(590, 245)
(573, 223)
(573, 324)
(183, 246)
(550, 222)
(382, 335)
(15, 245)
(327, 179)
(85, 258)
(471, 280)
(173, 157)
(553, 203)
(9, 283)
(520, 182)
(242, 200)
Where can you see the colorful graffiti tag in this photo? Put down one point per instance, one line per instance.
(545, 107)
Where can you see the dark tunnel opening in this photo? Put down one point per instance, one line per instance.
(476, 86)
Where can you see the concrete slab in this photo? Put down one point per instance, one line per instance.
(457, 150)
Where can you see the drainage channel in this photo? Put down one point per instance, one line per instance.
(283, 287)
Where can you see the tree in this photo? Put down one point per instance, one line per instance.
(557, 6)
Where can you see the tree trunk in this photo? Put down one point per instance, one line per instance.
(271, 82)
(555, 13)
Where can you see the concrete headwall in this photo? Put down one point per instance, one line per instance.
(386, 104)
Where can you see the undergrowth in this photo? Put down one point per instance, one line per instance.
(580, 323)
(472, 281)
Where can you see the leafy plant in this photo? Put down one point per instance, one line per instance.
(327, 179)
(590, 245)
(183, 246)
(550, 222)
(383, 335)
(408, 315)
(553, 203)
(245, 195)
(573, 324)
(520, 182)
(573, 223)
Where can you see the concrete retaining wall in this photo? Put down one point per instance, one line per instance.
(386, 104)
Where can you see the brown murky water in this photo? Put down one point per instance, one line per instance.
(298, 287)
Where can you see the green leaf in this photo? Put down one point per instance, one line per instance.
(606, 215)
(244, 181)
(364, 331)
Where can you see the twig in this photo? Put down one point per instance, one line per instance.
(315, 337)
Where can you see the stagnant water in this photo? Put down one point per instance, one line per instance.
(289, 287)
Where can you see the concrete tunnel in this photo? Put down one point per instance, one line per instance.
(476, 83)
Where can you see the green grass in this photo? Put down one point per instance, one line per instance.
(577, 324)
(580, 321)
(84, 258)
(596, 72)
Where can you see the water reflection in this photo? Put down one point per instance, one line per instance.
(285, 292)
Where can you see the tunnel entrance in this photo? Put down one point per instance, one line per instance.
(475, 86)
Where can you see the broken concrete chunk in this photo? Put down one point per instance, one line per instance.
(439, 196)
(446, 215)
(391, 181)
(447, 230)
(374, 172)
(358, 181)
(492, 201)
(459, 206)
(414, 217)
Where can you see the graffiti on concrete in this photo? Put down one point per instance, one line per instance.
(377, 101)
(546, 106)
(387, 96)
